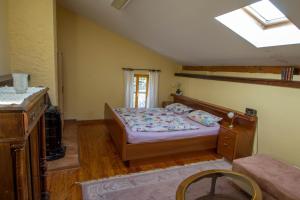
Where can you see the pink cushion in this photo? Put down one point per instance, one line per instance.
(274, 177)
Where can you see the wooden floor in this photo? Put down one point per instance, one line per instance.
(99, 159)
(70, 141)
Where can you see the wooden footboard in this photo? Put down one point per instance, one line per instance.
(154, 149)
(116, 130)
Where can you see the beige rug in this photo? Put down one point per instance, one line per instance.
(158, 184)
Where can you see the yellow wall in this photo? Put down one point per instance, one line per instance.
(92, 62)
(278, 111)
(4, 58)
(32, 41)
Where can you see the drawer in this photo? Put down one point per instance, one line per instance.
(226, 144)
(33, 114)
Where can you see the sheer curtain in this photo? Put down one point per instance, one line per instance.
(152, 101)
(129, 90)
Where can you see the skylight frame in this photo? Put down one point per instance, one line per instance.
(266, 23)
(256, 33)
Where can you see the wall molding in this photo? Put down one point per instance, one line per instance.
(241, 69)
(259, 81)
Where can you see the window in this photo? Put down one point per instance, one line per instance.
(141, 90)
(262, 24)
(140, 93)
(266, 13)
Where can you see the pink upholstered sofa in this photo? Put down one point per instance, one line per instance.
(277, 180)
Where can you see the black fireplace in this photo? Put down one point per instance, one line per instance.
(55, 148)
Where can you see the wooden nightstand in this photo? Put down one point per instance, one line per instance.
(236, 142)
(165, 103)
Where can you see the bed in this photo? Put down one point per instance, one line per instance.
(190, 130)
(133, 145)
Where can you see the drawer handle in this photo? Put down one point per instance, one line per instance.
(227, 137)
(225, 144)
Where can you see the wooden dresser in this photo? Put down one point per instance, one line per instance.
(23, 149)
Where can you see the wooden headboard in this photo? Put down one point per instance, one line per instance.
(6, 80)
(241, 118)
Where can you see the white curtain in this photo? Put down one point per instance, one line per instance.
(152, 101)
(129, 90)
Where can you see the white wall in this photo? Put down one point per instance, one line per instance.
(278, 110)
(32, 42)
(4, 58)
(93, 58)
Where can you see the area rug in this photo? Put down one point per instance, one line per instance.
(158, 184)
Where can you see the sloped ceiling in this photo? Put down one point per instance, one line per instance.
(186, 31)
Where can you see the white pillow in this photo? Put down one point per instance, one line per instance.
(178, 108)
(204, 118)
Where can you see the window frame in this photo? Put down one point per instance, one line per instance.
(256, 33)
(137, 77)
(265, 23)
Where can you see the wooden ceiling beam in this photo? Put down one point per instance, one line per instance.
(258, 81)
(241, 69)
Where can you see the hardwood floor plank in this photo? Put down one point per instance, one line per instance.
(99, 158)
(70, 140)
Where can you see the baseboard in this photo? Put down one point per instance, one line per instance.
(70, 120)
(88, 122)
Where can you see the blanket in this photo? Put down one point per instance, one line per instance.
(154, 120)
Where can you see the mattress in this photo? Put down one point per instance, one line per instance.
(134, 137)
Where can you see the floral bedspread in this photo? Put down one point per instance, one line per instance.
(154, 119)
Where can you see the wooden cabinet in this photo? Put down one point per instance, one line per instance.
(23, 149)
(235, 142)
(226, 143)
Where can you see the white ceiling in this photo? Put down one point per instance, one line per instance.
(186, 31)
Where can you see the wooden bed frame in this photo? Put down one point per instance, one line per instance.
(129, 151)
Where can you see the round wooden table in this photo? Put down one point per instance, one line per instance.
(218, 185)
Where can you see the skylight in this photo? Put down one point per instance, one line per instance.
(262, 24)
(265, 12)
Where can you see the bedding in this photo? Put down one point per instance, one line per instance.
(154, 119)
(178, 108)
(204, 118)
(135, 136)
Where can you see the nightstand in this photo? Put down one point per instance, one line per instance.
(165, 103)
(236, 142)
